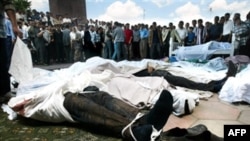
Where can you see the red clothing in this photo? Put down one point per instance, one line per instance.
(128, 36)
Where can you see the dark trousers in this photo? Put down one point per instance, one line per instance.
(156, 51)
(4, 75)
(9, 50)
(136, 50)
(177, 80)
(101, 111)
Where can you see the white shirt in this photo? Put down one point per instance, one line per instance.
(182, 33)
(72, 35)
(227, 27)
(66, 20)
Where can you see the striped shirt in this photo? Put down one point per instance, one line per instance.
(242, 33)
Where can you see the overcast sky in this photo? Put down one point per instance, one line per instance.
(161, 11)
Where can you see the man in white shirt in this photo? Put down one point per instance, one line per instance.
(182, 32)
(227, 29)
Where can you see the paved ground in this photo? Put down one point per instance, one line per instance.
(213, 113)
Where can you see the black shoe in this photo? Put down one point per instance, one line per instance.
(143, 132)
(232, 69)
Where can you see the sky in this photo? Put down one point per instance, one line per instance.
(160, 11)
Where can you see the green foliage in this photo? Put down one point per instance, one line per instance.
(22, 5)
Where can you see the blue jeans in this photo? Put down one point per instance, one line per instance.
(108, 49)
(117, 51)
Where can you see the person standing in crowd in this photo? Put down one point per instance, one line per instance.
(215, 30)
(9, 40)
(75, 37)
(143, 41)
(99, 39)
(66, 42)
(165, 40)
(108, 48)
(175, 39)
(136, 43)
(190, 40)
(8, 7)
(58, 36)
(182, 32)
(226, 35)
(248, 19)
(89, 41)
(24, 29)
(31, 41)
(194, 24)
(241, 31)
(128, 42)
(248, 24)
(155, 42)
(40, 43)
(49, 19)
(49, 44)
(119, 38)
(201, 33)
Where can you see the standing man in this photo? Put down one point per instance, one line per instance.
(215, 30)
(136, 43)
(108, 48)
(119, 38)
(227, 29)
(241, 31)
(143, 41)
(10, 38)
(128, 42)
(7, 6)
(155, 42)
(182, 32)
(66, 42)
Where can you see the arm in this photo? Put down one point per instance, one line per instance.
(10, 11)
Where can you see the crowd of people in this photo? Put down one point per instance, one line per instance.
(61, 39)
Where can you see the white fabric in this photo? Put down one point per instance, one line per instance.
(21, 62)
(237, 89)
(42, 97)
(40, 93)
(201, 52)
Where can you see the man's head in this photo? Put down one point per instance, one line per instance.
(227, 16)
(236, 18)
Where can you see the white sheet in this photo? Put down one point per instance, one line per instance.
(237, 89)
(41, 97)
(201, 52)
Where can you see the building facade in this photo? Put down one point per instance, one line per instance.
(69, 8)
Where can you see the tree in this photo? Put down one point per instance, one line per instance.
(22, 5)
